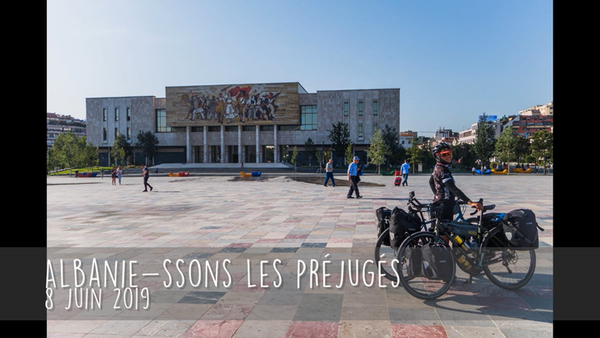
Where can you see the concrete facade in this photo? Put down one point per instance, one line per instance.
(363, 110)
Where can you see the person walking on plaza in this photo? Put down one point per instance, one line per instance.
(404, 168)
(329, 172)
(353, 177)
(113, 176)
(146, 175)
(119, 174)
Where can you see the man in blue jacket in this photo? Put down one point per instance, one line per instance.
(353, 177)
(404, 168)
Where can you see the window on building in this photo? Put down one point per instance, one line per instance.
(267, 128)
(116, 114)
(375, 107)
(248, 128)
(128, 134)
(296, 127)
(375, 127)
(231, 128)
(104, 114)
(128, 114)
(161, 121)
(104, 136)
(345, 108)
(214, 128)
(360, 131)
(308, 117)
(360, 108)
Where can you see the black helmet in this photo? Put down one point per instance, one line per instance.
(439, 148)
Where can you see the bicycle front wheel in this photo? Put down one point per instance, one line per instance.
(506, 267)
(386, 255)
(411, 267)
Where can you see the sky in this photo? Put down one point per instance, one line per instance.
(453, 60)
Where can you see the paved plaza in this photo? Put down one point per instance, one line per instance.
(213, 255)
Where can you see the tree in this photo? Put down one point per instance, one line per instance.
(68, 151)
(464, 154)
(121, 149)
(484, 143)
(323, 155)
(147, 142)
(522, 149)
(420, 153)
(378, 150)
(340, 138)
(294, 157)
(542, 146)
(90, 156)
(309, 150)
(397, 153)
(506, 145)
(349, 153)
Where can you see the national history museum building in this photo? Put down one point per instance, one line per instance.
(239, 123)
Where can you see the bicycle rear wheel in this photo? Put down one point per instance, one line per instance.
(506, 267)
(386, 255)
(414, 282)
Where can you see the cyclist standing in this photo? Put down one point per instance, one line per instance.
(442, 183)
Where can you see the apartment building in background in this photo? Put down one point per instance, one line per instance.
(57, 124)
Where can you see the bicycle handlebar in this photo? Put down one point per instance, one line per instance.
(474, 212)
(412, 200)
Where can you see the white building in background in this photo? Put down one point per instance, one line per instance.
(240, 123)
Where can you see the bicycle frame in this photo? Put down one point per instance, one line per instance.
(506, 267)
(416, 207)
(458, 226)
(465, 230)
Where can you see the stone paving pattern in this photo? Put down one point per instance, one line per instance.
(211, 218)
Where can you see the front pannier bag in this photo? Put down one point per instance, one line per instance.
(383, 222)
(521, 229)
(414, 261)
(437, 262)
(402, 224)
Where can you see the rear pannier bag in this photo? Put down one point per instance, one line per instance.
(521, 229)
(437, 262)
(414, 261)
(383, 222)
(499, 241)
(402, 224)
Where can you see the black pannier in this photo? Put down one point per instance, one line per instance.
(402, 224)
(383, 222)
(414, 261)
(521, 229)
(437, 262)
(491, 220)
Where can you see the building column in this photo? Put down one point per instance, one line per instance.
(275, 150)
(257, 144)
(188, 147)
(222, 144)
(240, 155)
(205, 146)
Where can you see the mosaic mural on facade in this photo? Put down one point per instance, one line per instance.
(273, 103)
